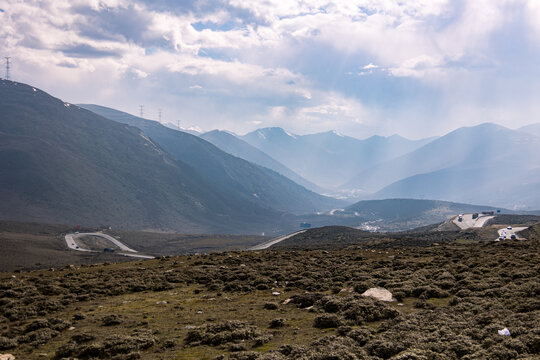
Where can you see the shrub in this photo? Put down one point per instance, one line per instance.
(327, 321)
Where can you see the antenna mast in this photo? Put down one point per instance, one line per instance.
(141, 108)
(8, 67)
(159, 110)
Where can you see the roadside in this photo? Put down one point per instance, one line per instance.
(267, 244)
(73, 243)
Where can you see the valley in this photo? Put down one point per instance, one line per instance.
(269, 180)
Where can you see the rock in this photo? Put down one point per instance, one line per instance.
(7, 357)
(379, 294)
(161, 302)
(276, 293)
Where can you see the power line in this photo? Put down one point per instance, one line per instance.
(8, 67)
(141, 108)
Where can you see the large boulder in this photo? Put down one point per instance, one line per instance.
(379, 294)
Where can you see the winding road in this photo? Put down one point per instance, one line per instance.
(71, 241)
(469, 222)
(507, 233)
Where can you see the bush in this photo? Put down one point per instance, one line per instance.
(7, 343)
(328, 321)
(270, 306)
(217, 334)
(277, 323)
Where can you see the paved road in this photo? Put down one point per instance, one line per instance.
(507, 233)
(469, 222)
(71, 241)
(274, 241)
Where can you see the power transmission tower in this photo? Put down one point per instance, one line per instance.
(159, 110)
(141, 108)
(8, 67)
(178, 124)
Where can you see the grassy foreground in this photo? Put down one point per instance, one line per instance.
(451, 301)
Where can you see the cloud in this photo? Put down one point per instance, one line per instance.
(283, 62)
(87, 51)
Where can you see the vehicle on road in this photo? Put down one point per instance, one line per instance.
(509, 227)
(475, 215)
(502, 237)
(512, 236)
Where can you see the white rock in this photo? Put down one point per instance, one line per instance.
(7, 357)
(379, 294)
(276, 293)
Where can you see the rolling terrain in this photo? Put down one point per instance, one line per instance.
(65, 164)
(239, 179)
(394, 214)
(239, 148)
(450, 300)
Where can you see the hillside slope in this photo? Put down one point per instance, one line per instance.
(64, 164)
(239, 148)
(226, 173)
(468, 164)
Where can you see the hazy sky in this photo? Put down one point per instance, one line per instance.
(414, 67)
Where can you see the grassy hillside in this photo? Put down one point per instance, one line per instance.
(451, 300)
(228, 174)
(339, 237)
(239, 148)
(64, 164)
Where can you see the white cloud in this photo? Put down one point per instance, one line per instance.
(260, 57)
(370, 66)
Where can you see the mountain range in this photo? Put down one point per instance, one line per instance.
(232, 144)
(486, 164)
(227, 173)
(64, 164)
(330, 158)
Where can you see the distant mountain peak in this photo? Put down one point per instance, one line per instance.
(263, 133)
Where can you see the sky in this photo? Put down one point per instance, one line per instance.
(418, 68)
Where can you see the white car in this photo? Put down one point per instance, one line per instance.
(509, 227)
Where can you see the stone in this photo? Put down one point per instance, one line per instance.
(379, 294)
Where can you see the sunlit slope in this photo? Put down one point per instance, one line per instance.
(466, 162)
(329, 159)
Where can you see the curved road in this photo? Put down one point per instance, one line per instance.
(469, 222)
(267, 244)
(507, 233)
(72, 244)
